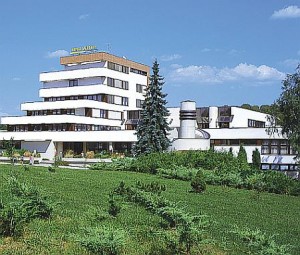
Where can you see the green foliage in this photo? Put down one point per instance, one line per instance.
(34, 203)
(153, 129)
(10, 149)
(153, 187)
(77, 191)
(96, 214)
(287, 109)
(189, 228)
(242, 155)
(198, 182)
(260, 243)
(104, 240)
(178, 172)
(113, 208)
(51, 169)
(277, 182)
(12, 219)
(256, 159)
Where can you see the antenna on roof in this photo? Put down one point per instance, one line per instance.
(108, 47)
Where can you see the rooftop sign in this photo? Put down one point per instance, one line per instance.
(83, 50)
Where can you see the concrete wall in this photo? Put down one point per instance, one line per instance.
(190, 144)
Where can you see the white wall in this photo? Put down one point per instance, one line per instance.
(45, 148)
(190, 144)
(241, 117)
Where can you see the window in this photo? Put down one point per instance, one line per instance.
(134, 114)
(103, 113)
(133, 70)
(73, 83)
(139, 103)
(117, 83)
(117, 67)
(256, 123)
(125, 101)
(224, 111)
(140, 88)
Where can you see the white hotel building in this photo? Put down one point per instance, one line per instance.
(94, 104)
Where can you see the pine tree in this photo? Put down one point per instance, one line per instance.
(153, 129)
(256, 159)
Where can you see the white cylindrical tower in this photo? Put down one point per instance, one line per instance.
(213, 117)
(187, 117)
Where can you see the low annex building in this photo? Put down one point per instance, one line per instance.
(94, 104)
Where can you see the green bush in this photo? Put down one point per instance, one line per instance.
(198, 182)
(260, 243)
(34, 203)
(12, 219)
(277, 182)
(153, 187)
(103, 241)
(113, 208)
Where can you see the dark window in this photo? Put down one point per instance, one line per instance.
(73, 83)
(139, 103)
(256, 123)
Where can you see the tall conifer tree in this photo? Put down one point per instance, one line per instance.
(153, 129)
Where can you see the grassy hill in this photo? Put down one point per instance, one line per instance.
(77, 192)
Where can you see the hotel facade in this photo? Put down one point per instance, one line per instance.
(94, 104)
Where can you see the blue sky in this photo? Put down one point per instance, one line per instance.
(215, 52)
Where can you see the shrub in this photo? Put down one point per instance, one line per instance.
(178, 172)
(27, 154)
(256, 159)
(277, 182)
(104, 241)
(153, 187)
(51, 169)
(97, 214)
(198, 183)
(34, 203)
(12, 219)
(69, 154)
(90, 154)
(113, 208)
(260, 243)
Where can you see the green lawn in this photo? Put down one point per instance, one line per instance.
(76, 191)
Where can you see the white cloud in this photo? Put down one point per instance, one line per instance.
(239, 73)
(291, 62)
(167, 58)
(16, 79)
(292, 11)
(83, 16)
(57, 54)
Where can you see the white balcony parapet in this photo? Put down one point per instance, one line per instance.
(84, 90)
(71, 104)
(71, 136)
(57, 119)
(80, 74)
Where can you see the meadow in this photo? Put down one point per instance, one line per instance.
(78, 193)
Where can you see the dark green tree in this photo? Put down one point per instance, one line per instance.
(256, 159)
(153, 129)
(287, 111)
(242, 154)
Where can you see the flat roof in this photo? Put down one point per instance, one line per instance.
(103, 56)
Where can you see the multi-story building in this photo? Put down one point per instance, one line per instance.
(94, 104)
(91, 105)
(228, 127)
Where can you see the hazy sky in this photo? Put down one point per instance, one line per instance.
(215, 52)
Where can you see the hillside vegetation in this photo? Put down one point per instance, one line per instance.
(81, 201)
